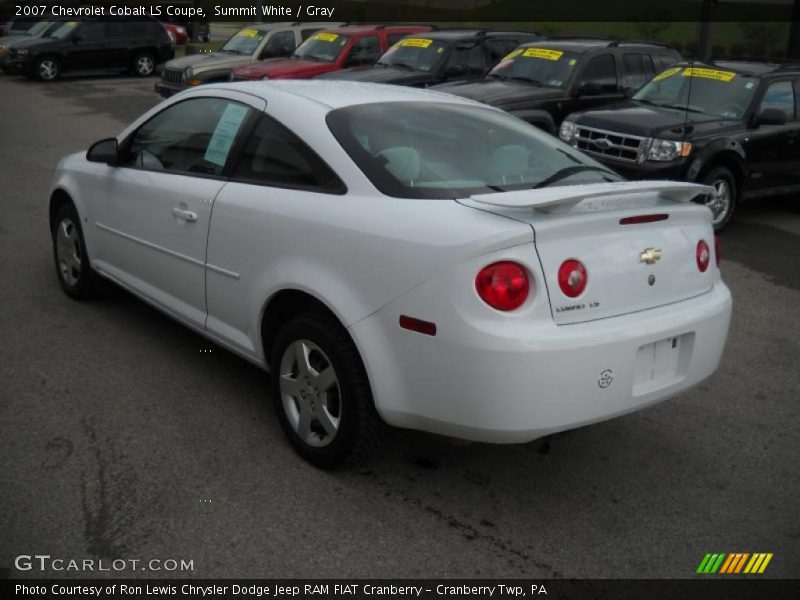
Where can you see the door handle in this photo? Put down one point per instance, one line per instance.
(184, 215)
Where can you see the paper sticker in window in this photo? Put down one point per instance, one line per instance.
(709, 74)
(326, 37)
(416, 42)
(543, 53)
(512, 55)
(248, 33)
(221, 141)
(667, 73)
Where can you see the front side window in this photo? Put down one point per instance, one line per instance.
(275, 156)
(365, 51)
(92, 32)
(780, 96)
(192, 137)
(704, 90)
(440, 150)
(638, 70)
(280, 44)
(600, 75)
(324, 46)
(537, 65)
(414, 54)
(244, 41)
(466, 60)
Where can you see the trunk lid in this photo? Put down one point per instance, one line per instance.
(583, 222)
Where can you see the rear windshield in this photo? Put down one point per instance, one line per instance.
(245, 41)
(443, 150)
(540, 66)
(414, 54)
(717, 92)
(324, 46)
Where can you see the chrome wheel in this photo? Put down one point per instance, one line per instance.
(48, 69)
(720, 201)
(144, 65)
(310, 393)
(68, 252)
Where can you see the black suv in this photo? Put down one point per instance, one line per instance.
(92, 44)
(421, 60)
(730, 124)
(543, 82)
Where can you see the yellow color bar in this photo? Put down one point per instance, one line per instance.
(765, 563)
(754, 562)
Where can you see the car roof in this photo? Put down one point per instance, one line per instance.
(335, 94)
(366, 28)
(757, 67)
(284, 24)
(584, 44)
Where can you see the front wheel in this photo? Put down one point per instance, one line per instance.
(144, 64)
(47, 68)
(722, 202)
(321, 393)
(69, 251)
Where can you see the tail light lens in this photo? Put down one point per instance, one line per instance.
(572, 278)
(503, 285)
(703, 256)
(717, 255)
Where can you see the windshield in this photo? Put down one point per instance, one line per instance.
(322, 47)
(542, 66)
(412, 53)
(245, 41)
(702, 90)
(63, 30)
(439, 150)
(38, 28)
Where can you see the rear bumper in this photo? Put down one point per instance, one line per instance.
(515, 384)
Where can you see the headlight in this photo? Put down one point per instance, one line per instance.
(666, 150)
(181, 30)
(22, 52)
(568, 131)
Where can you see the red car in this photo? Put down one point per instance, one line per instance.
(330, 50)
(177, 33)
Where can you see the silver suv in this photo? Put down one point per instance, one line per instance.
(254, 42)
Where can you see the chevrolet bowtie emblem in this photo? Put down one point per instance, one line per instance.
(650, 256)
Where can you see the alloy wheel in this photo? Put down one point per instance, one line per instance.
(48, 69)
(720, 201)
(144, 65)
(68, 252)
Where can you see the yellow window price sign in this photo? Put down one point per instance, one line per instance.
(543, 53)
(512, 55)
(709, 74)
(416, 42)
(667, 73)
(248, 33)
(326, 37)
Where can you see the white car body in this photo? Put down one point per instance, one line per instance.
(370, 258)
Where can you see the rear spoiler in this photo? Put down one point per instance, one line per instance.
(562, 198)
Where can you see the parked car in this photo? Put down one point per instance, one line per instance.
(543, 82)
(330, 50)
(733, 125)
(18, 26)
(177, 33)
(40, 29)
(91, 45)
(437, 57)
(250, 44)
(394, 255)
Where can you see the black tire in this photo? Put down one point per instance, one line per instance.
(76, 279)
(722, 178)
(144, 64)
(46, 68)
(360, 429)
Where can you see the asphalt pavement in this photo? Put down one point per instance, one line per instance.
(121, 439)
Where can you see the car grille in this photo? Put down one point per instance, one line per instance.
(628, 148)
(172, 76)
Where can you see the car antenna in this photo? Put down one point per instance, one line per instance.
(688, 102)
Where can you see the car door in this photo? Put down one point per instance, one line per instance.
(772, 150)
(597, 84)
(122, 37)
(153, 210)
(86, 48)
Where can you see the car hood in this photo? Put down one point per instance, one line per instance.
(379, 74)
(634, 118)
(210, 60)
(25, 41)
(6, 40)
(499, 93)
(276, 68)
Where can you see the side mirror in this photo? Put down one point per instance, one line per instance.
(770, 116)
(105, 151)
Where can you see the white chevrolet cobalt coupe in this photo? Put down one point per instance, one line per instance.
(399, 256)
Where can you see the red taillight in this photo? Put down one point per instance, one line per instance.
(703, 256)
(643, 219)
(417, 325)
(717, 255)
(503, 285)
(572, 278)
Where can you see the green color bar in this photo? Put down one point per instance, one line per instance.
(718, 563)
(702, 566)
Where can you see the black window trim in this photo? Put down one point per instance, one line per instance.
(793, 82)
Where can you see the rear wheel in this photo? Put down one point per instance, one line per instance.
(144, 64)
(47, 68)
(69, 251)
(321, 393)
(722, 202)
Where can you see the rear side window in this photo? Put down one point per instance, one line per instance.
(600, 73)
(665, 60)
(193, 137)
(638, 69)
(275, 156)
(780, 95)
